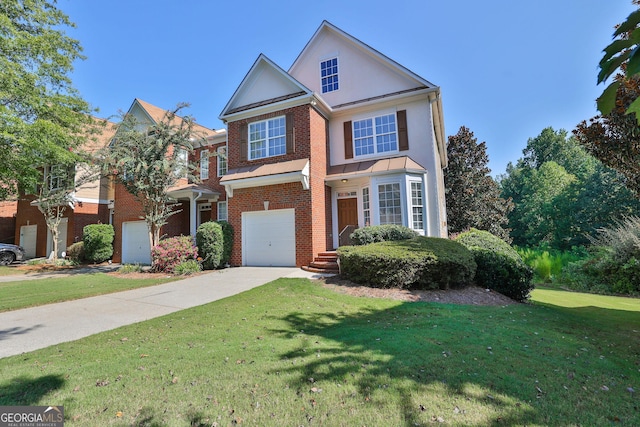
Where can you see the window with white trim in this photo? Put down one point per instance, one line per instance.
(267, 138)
(222, 161)
(390, 204)
(375, 135)
(204, 164)
(329, 75)
(182, 163)
(417, 207)
(366, 210)
(57, 177)
(222, 211)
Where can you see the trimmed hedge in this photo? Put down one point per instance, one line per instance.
(500, 268)
(75, 252)
(381, 233)
(419, 263)
(209, 239)
(98, 242)
(227, 242)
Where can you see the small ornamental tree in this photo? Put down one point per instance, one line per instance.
(149, 160)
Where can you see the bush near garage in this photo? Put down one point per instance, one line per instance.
(227, 241)
(75, 252)
(381, 233)
(210, 243)
(98, 242)
(171, 252)
(418, 263)
(500, 268)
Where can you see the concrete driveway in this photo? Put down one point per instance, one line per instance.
(38, 327)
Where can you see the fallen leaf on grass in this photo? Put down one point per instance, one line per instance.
(119, 414)
(102, 383)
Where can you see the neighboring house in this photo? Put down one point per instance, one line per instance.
(344, 139)
(93, 202)
(197, 203)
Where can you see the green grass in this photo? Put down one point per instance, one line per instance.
(294, 353)
(10, 271)
(29, 293)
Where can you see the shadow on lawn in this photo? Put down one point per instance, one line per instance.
(23, 391)
(401, 348)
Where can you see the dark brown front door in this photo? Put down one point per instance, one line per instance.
(347, 213)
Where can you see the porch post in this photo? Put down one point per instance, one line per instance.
(193, 212)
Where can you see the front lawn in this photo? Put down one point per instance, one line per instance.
(29, 293)
(295, 353)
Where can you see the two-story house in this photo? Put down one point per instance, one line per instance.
(93, 201)
(197, 203)
(344, 139)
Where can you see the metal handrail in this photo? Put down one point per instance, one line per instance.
(344, 237)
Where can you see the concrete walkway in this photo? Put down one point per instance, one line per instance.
(38, 327)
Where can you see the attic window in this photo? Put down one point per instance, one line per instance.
(329, 75)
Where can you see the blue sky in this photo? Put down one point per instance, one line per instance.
(507, 68)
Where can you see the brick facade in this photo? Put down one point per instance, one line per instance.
(312, 207)
(8, 212)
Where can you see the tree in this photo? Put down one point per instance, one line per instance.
(614, 138)
(42, 116)
(149, 160)
(472, 196)
(56, 191)
(561, 193)
(622, 56)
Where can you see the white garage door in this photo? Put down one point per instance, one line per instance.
(136, 248)
(269, 238)
(28, 239)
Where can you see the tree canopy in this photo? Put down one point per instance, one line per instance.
(561, 193)
(42, 116)
(472, 196)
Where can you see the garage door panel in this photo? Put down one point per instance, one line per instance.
(136, 248)
(268, 238)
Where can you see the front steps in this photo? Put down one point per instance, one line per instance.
(325, 262)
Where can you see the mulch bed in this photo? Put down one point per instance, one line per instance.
(470, 295)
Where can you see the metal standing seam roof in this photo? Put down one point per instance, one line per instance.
(373, 167)
(256, 171)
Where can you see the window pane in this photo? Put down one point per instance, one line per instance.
(389, 202)
(204, 164)
(329, 75)
(417, 206)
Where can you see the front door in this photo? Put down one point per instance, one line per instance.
(347, 215)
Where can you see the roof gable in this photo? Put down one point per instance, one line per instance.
(148, 114)
(264, 84)
(383, 76)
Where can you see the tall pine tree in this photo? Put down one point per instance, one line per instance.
(473, 196)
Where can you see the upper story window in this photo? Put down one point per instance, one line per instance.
(375, 135)
(57, 177)
(222, 161)
(329, 75)
(204, 164)
(182, 166)
(267, 138)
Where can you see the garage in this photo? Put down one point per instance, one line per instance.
(136, 248)
(269, 238)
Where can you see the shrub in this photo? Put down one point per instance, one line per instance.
(419, 263)
(500, 268)
(381, 233)
(187, 268)
(227, 242)
(130, 268)
(98, 242)
(209, 239)
(173, 251)
(75, 252)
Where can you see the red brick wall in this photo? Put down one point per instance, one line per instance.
(82, 214)
(312, 207)
(8, 221)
